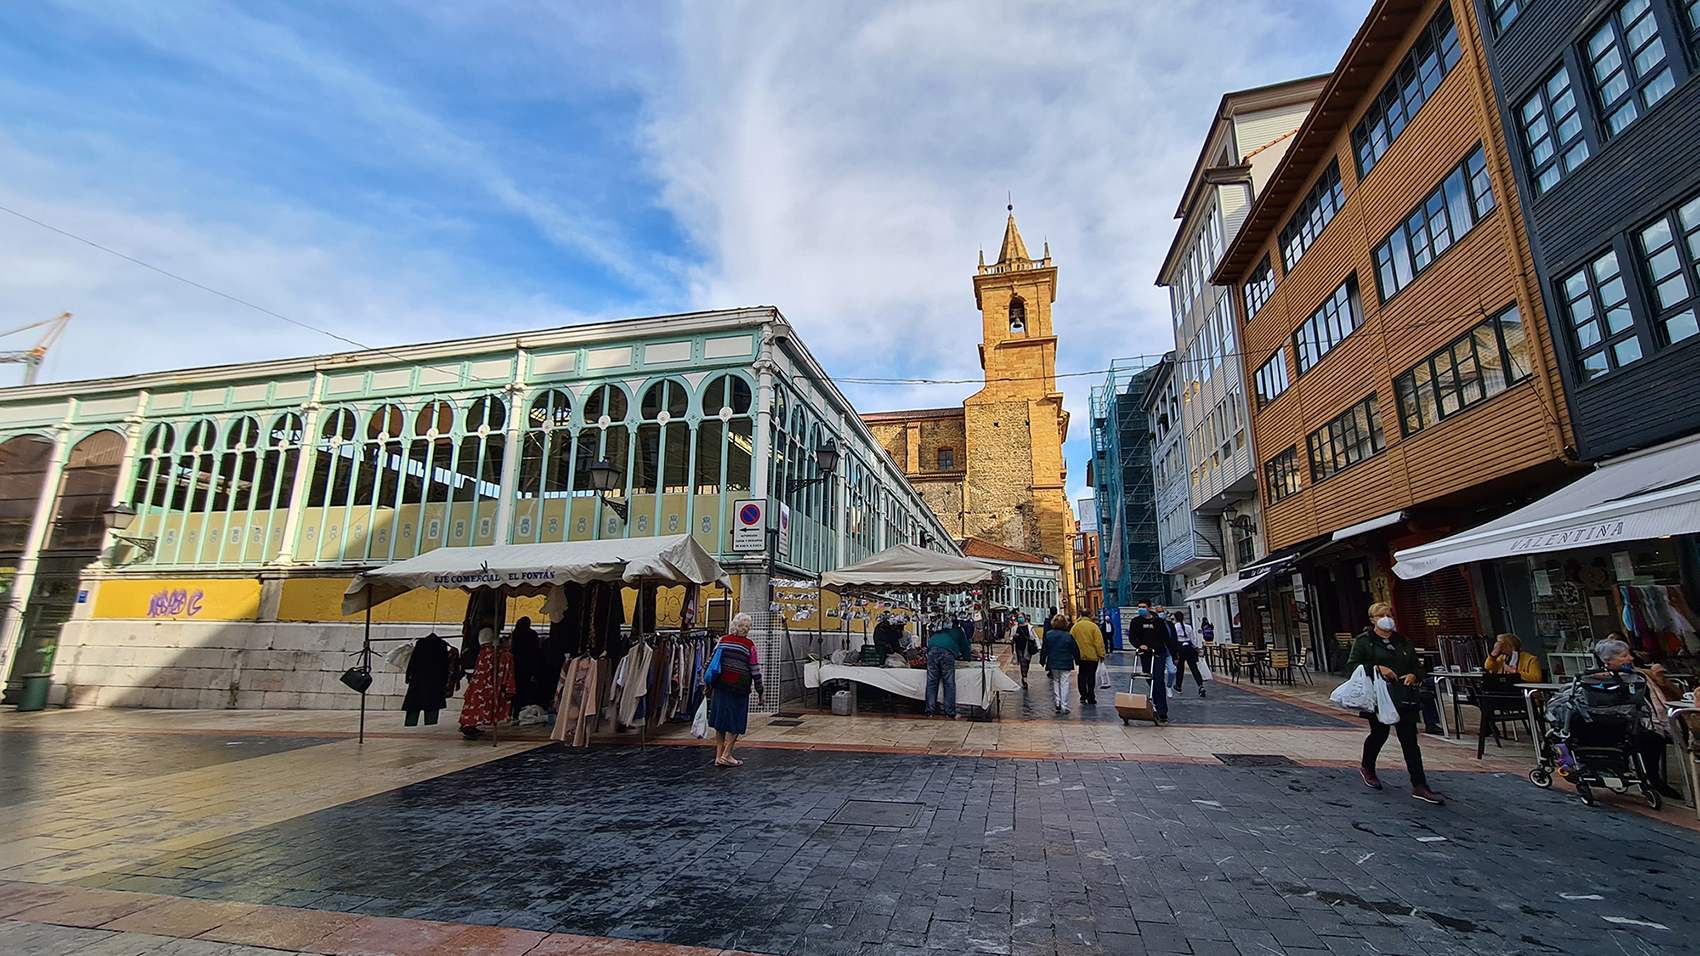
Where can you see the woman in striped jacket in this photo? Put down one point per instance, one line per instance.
(733, 671)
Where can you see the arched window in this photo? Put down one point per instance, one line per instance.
(85, 491)
(478, 474)
(605, 411)
(545, 468)
(663, 456)
(1017, 314)
(23, 468)
(337, 461)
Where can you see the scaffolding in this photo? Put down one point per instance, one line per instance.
(1124, 486)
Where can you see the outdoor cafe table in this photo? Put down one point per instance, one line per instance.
(1447, 682)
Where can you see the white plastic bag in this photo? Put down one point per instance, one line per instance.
(1103, 677)
(1204, 670)
(699, 724)
(1385, 711)
(399, 657)
(1357, 694)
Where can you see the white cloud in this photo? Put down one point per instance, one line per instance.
(846, 162)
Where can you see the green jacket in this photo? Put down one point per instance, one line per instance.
(1397, 654)
(951, 639)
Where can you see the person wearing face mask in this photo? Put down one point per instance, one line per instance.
(1155, 641)
(1390, 655)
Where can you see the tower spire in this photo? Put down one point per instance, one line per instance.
(1014, 250)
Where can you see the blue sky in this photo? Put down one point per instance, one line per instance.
(400, 172)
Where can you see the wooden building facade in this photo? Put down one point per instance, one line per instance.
(1399, 364)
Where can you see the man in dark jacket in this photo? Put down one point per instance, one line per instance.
(1154, 638)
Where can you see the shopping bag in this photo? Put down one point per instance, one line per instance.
(1385, 711)
(1357, 694)
(1204, 670)
(1103, 678)
(699, 724)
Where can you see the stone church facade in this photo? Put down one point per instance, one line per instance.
(993, 468)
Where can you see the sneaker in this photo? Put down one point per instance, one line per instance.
(1058, 707)
(1370, 779)
(1427, 796)
(1201, 693)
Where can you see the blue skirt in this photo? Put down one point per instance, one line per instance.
(729, 712)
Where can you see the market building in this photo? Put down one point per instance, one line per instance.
(993, 468)
(1248, 135)
(1030, 583)
(1404, 382)
(246, 497)
(1123, 486)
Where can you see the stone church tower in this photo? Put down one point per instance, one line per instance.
(994, 469)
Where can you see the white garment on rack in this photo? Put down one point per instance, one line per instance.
(635, 666)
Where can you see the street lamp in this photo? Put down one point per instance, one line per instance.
(605, 477)
(826, 462)
(118, 519)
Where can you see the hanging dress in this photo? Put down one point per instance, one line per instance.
(487, 698)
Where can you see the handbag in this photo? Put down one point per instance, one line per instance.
(357, 679)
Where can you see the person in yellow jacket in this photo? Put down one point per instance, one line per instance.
(1508, 658)
(1090, 640)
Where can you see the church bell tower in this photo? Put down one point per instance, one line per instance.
(1016, 492)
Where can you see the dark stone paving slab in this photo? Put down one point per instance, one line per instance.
(1223, 703)
(35, 765)
(1008, 856)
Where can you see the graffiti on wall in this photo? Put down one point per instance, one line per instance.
(176, 602)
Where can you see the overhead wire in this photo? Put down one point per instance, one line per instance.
(226, 295)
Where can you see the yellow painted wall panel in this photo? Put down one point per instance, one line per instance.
(178, 599)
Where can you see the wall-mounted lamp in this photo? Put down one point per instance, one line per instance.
(605, 477)
(118, 519)
(826, 462)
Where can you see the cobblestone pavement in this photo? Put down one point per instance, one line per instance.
(1224, 704)
(36, 765)
(1003, 856)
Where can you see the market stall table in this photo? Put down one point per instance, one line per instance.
(976, 685)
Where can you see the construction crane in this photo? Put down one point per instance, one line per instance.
(31, 358)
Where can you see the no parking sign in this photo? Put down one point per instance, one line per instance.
(749, 525)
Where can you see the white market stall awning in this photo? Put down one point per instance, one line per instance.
(1647, 494)
(908, 566)
(676, 559)
(1231, 584)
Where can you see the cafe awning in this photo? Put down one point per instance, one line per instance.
(1229, 584)
(1647, 494)
(1365, 527)
(534, 568)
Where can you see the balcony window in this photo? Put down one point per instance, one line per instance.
(1281, 474)
(1670, 254)
(1602, 328)
(1626, 57)
(1312, 216)
(1550, 126)
(1350, 438)
(1478, 365)
(1441, 219)
(1430, 58)
(1338, 317)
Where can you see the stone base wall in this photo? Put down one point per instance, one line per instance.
(223, 665)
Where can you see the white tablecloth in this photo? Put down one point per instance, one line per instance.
(911, 682)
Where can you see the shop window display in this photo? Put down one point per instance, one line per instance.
(1642, 590)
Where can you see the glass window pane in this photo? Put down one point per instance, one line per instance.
(1627, 350)
(1593, 366)
(1680, 326)
(1516, 344)
(1489, 359)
